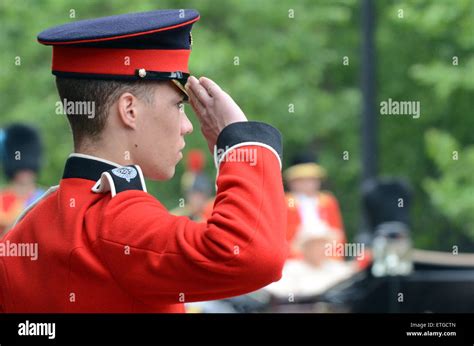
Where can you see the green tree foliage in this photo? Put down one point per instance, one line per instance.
(425, 56)
(451, 191)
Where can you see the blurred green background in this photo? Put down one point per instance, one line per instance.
(282, 61)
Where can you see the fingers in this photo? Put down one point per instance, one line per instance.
(211, 86)
(198, 107)
(199, 91)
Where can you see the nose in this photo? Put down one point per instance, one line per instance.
(186, 125)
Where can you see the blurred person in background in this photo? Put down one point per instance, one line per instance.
(316, 272)
(310, 210)
(196, 186)
(315, 232)
(21, 152)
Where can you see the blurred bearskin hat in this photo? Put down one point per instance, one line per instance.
(21, 149)
(382, 198)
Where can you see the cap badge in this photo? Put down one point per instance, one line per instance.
(176, 75)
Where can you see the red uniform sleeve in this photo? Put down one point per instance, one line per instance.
(160, 258)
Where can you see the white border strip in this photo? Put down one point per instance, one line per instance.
(90, 157)
(142, 178)
(110, 180)
(25, 211)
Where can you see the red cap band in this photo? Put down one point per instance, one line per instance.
(114, 61)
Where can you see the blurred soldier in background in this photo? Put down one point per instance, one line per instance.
(21, 153)
(310, 210)
(314, 230)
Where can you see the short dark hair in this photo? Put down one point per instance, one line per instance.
(103, 93)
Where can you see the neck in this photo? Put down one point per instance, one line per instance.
(102, 150)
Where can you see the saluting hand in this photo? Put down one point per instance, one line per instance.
(214, 108)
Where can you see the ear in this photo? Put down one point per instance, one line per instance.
(127, 107)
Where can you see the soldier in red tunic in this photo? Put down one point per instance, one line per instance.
(21, 154)
(312, 213)
(98, 242)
